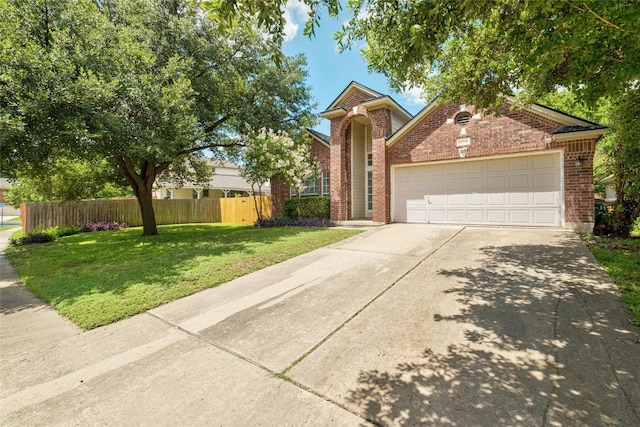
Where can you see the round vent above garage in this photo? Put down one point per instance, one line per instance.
(463, 118)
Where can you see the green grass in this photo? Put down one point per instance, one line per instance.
(621, 260)
(98, 278)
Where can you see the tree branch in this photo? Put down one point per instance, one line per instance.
(204, 147)
(216, 124)
(591, 11)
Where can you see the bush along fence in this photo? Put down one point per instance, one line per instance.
(301, 212)
(308, 207)
(237, 210)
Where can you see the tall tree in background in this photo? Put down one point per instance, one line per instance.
(146, 84)
(483, 51)
(69, 180)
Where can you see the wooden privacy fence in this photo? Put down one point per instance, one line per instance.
(236, 210)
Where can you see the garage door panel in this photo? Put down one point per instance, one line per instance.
(475, 216)
(545, 217)
(548, 198)
(544, 181)
(437, 216)
(475, 167)
(437, 186)
(496, 216)
(436, 200)
(475, 199)
(496, 165)
(519, 181)
(496, 182)
(455, 184)
(455, 216)
(520, 190)
(543, 161)
(519, 163)
(520, 216)
(455, 200)
(455, 169)
(522, 199)
(496, 199)
(475, 184)
(416, 211)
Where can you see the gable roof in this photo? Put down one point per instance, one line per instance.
(572, 127)
(377, 100)
(319, 136)
(347, 91)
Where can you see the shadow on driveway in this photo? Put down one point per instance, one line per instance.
(545, 341)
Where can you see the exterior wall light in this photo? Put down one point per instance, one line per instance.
(578, 161)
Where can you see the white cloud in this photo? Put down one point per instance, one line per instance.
(295, 13)
(413, 96)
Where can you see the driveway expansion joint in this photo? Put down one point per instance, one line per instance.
(368, 304)
(212, 343)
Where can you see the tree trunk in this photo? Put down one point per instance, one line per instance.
(142, 185)
(145, 200)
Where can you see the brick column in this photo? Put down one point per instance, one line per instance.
(337, 177)
(381, 128)
(279, 192)
(578, 186)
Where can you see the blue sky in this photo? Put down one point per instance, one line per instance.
(330, 71)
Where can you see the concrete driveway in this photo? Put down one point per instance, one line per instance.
(401, 325)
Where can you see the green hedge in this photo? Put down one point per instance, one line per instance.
(307, 207)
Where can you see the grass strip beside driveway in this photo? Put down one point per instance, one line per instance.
(98, 278)
(621, 260)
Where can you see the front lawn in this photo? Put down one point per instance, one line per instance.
(621, 260)
(98, 278)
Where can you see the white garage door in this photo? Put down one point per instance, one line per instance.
(523, 190)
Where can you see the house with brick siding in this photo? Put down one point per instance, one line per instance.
(453, 164)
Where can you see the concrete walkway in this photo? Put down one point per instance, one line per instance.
(401, 325)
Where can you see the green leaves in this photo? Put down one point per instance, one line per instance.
(142, 83)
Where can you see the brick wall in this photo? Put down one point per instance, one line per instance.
(435, 139)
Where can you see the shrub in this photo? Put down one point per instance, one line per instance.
(308, 207)
(33, 237)
(103, 226)
(51, 234)
(290, 222)
(57, 232)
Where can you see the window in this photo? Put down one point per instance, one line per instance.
(369, 190)
(205, 193)
(325, 183)
(310, 188)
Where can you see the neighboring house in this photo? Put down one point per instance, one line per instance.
(609, 183)
(7, 210)
(226, 181)
(451, 164)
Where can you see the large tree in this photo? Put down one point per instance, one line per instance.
(146, 84)
(482, 51)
